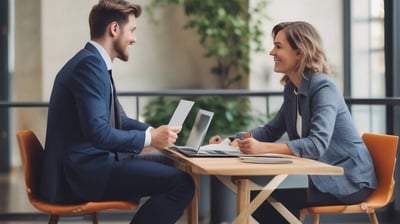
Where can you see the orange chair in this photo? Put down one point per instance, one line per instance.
(383, 150)
(31, 152)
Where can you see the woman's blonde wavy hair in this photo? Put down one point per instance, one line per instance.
(304, 38)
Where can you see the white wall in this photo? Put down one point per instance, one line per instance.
(327, 18)
(165, 55)
(26, 83)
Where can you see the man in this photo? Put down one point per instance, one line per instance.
(87, 129)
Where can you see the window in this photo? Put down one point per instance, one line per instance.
(367, 62)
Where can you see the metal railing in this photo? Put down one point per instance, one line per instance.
(138, 95)
(389, 102)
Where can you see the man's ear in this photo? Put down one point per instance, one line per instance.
(113, 29)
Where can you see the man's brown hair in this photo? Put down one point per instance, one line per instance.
(107, 11)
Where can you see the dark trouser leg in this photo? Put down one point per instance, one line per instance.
(288, 197)
(293, 199)
(298, 198)
(170, 189)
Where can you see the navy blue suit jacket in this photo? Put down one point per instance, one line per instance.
(81, 146)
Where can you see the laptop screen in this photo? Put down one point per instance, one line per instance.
(199, 129)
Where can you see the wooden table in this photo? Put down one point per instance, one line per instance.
(225, 168)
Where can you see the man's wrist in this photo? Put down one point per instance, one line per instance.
(147, 138)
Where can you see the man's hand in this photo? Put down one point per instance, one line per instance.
(164, 136)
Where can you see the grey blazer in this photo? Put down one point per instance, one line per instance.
(328, 135)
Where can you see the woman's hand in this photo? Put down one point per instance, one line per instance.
(251, 146)
(218, 140)
(215, 140)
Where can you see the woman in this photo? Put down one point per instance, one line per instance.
(318, 123)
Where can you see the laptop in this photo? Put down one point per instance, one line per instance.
(193, 147)
(177, 119)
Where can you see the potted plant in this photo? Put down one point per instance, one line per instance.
(225, 29)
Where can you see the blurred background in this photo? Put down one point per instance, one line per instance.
(199, 48)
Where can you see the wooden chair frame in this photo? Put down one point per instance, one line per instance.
(31, 152)
(383, 149)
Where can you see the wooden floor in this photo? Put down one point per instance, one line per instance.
(16, 209)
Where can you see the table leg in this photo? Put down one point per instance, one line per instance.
(245, 209)
(284, 211)
(243, 200)
(193, 212)
(226, 180)
(193, 209)
(241, 203)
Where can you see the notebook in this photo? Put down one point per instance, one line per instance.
(193, 147)
(269, 158)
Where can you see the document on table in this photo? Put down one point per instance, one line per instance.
(220, 147)
(181, 112)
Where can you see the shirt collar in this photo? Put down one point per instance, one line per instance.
(103, 54)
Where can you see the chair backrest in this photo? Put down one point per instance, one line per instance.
(383, 149)
(31, 152)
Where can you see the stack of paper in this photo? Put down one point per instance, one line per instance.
(266, 159)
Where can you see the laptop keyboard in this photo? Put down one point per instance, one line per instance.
(184, 148)
(216, 152)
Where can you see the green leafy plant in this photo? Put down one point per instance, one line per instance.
(225, 28)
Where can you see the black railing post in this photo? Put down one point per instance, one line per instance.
(4, 88)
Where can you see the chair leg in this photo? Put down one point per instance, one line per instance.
(316, 219)
(373, 218)
(53, 219)
(95, 218)
(302, 216)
